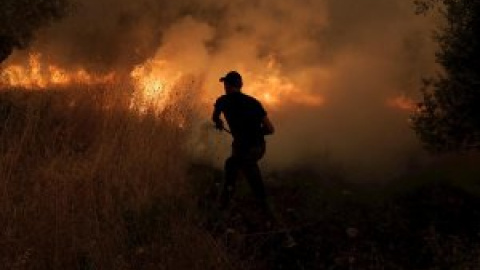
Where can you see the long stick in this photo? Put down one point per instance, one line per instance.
(226, 130)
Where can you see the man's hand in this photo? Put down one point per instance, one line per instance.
(267, 126)
(219, 125)
(216, 119)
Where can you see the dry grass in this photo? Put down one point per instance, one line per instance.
(88, 183)
(85, 183)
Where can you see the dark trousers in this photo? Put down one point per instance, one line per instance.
(244, 160)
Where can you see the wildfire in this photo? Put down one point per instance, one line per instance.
(36, 75)
(154, 81)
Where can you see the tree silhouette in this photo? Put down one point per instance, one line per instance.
(448, 118)
(19, 19)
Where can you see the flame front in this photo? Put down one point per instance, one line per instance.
(154, 81)
(37, 75)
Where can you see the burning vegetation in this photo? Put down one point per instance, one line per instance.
(152, 82)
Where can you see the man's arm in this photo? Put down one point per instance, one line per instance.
(267, 126)
(216, 118)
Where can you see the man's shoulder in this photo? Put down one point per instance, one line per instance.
(221, 99)
(238, 98)
(255, 105)
(251, 99)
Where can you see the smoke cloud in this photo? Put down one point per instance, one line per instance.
(355, 55)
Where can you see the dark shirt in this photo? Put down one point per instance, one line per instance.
(244, 115)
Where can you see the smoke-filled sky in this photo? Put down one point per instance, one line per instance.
(354, 57)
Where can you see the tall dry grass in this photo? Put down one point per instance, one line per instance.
(88, 183)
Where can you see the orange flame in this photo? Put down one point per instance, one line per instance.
(276, 90)
(152, 80)
(36, 75)
(153, 83)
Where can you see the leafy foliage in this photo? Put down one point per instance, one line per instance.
(19, 19)
(448, 118)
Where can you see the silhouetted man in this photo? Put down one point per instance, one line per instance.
(248, 123)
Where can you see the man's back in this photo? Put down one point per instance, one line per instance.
(244, 115)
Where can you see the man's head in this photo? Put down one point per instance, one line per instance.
(232, 82)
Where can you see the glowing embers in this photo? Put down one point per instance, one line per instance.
(154, 81)
(37, 75)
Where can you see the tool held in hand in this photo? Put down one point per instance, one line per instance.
(219, 126)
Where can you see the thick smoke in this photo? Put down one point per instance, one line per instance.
(355, 54)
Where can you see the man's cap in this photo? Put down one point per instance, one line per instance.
(233, 78)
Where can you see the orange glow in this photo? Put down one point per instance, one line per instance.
(36, 75)
(154, 81)
(276, 90)
(401, 102)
